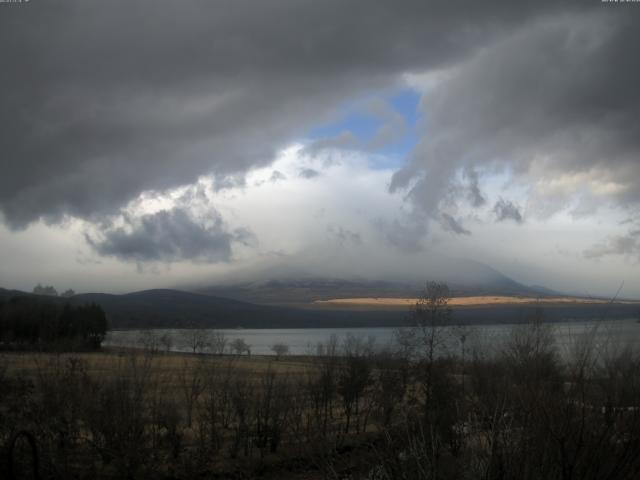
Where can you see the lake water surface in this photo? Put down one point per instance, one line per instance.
(613, 334)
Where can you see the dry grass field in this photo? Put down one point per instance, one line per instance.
(171, 367)
(474, 301)
(347, 413)
(173, 383)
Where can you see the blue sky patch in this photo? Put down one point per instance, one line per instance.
(363, 126)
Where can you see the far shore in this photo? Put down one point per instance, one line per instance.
(471, 301)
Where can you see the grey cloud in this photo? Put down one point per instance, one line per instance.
(103, 100)
(625, 245)
(276, 176)
(556, 97)
(474, 194)
(507, 210)
(170, 236)
(405, 236)
(194, 195)
(319, 214)
(586, 206)
(228, 182)
(344, 235)
(450, 224)
(308, 173)
(393, 126)
(343, 141)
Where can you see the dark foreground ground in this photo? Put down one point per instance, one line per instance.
(347, 413)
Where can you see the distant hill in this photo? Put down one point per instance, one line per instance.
(6, 294)
(164, 308)
(180, 309)
(174, 308)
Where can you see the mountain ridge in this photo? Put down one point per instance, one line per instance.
(167, 308)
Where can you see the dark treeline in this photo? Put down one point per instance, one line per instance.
(414, 411)
(27, 322)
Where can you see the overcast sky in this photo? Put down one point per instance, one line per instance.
(155, 143)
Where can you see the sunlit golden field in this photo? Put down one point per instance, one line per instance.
(473, 301)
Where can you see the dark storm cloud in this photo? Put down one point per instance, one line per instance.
(169, 236)
(507, 210)
(556, 99)
(103, 100)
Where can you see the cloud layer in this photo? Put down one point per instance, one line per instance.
(113, 113)
(104, 100)
(554, 103)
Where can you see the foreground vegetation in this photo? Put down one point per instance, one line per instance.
(411, 412)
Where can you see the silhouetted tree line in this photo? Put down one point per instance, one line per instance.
(50, 291)
(28, 321)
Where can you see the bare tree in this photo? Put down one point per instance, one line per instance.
(149, 341)
(242, 402)
(431, 313)
(196, 339)
(166, 340)
(218, 342)
(390, 385)
(354, 378)
(280, 349)
(239, 346)
(215, 409)
(191, 381)
(121, 436)
(271, 412)
(321, 386)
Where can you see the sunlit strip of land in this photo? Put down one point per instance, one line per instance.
(484, 300)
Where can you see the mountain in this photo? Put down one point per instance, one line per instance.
(301, 292)
(464, 278)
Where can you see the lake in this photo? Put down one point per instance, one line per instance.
(612, 334)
